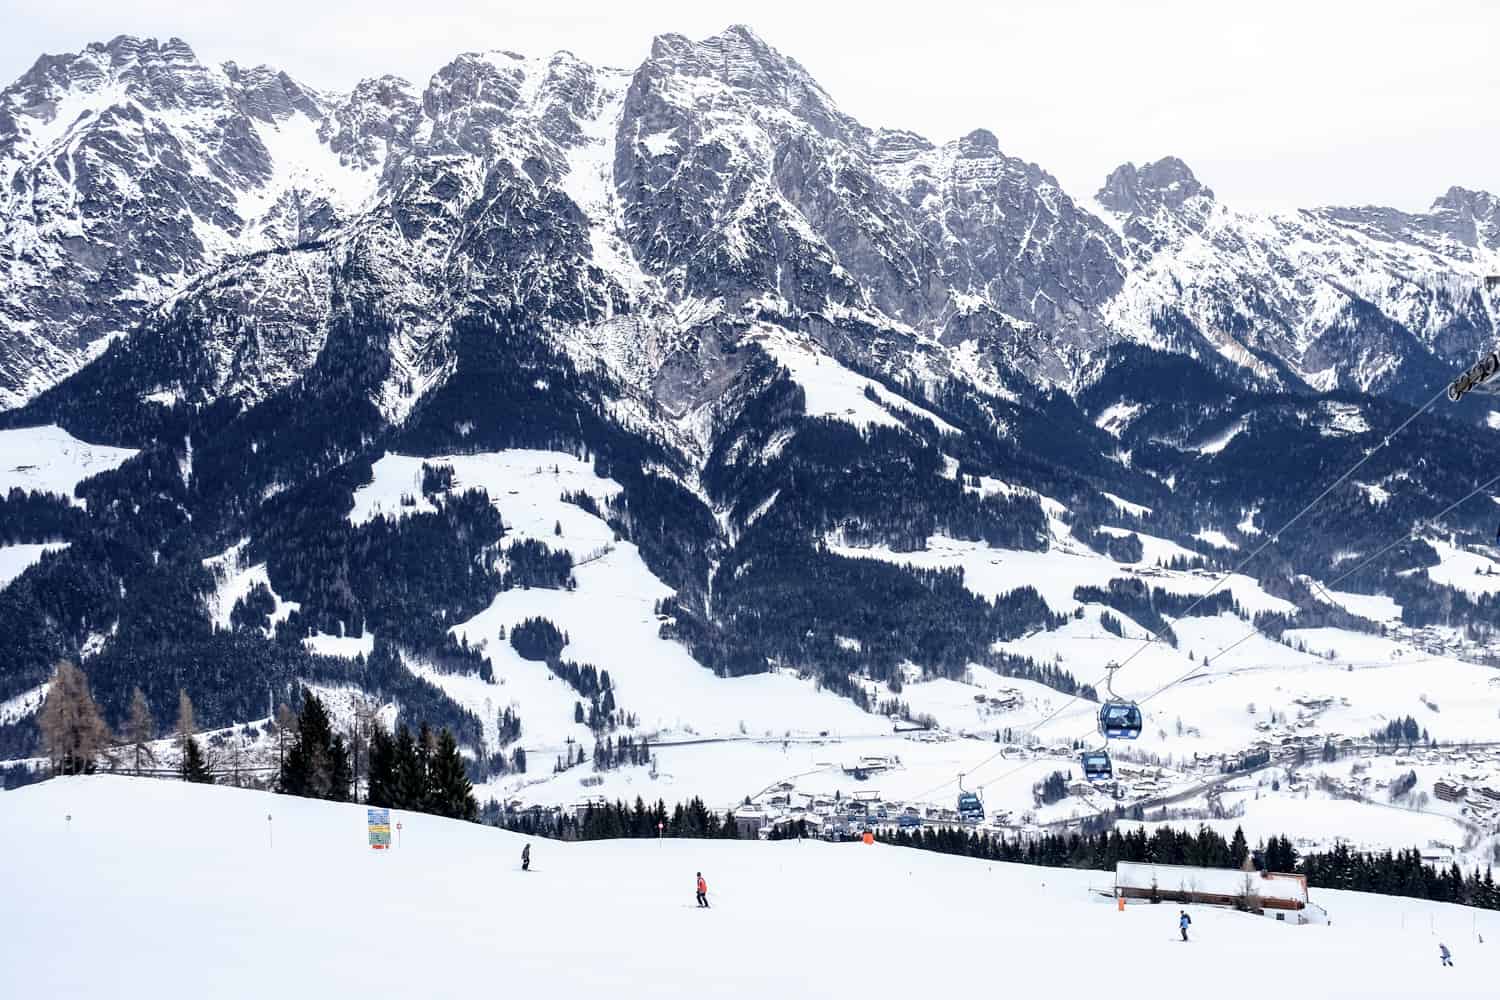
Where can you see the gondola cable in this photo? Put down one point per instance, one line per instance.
(1271, 539)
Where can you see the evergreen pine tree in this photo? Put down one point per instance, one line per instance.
(194, 767)
(426, 744)
(381, 791)
(451, 794)
(411, 779)
(1239, 850)
(340, 771)
(317, 765)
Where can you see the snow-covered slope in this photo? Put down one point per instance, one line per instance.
(50, 460)
(1365, 298)
(788, 918)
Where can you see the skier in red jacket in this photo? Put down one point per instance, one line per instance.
(702, 891)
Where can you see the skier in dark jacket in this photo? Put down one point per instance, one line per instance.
(1446, 954)
(526, 858)
(702, 891)
(1182, 924)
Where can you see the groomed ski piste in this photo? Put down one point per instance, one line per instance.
(127, 888)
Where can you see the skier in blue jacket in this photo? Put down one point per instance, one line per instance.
(1446, 955)
(1182, 924)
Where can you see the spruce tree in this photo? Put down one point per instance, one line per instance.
(381, 791)
(317, 765)
(411, 777)
(1239, 850)
(194, 767)
(450, 793)
(426, 744)
(340, 771)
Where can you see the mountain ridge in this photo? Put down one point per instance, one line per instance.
(953, 241)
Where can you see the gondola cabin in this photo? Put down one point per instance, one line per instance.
(1120, 720)
(1096, 766)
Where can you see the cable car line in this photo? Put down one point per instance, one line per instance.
(1271, 539)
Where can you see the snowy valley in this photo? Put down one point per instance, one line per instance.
(667, 433)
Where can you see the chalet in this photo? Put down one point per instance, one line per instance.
(1257, 892)
(582, 806)
(1449, 791)
(749, 821)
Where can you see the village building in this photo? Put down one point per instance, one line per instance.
(1271, 893)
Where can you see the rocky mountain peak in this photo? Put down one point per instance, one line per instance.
(1167, 183)
(269, 95)
(740, 59)
(1472, 217)
(979, 144)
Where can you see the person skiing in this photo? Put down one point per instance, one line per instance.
(526, 858)
(1182, 923)
(702, 891)
(1446, 954)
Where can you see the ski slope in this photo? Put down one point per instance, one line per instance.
(48, 459)
(177, 891)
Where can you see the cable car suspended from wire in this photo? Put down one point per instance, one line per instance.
(1484, 369)
(1119, 719)
(1096, 765)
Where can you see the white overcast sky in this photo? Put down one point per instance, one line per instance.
(1274, 104)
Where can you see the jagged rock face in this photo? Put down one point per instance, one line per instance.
(130, 168)
(1159, 202)
(1009, 237)
(649, 220)
(1367, 298)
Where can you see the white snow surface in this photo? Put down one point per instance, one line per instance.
(1461, 569)
(50, 460)
(346, 646)
(834, 391)
(1216, 538)
(17, 559)
(1116, 418)
(1133, 509)
(454, 890)
(234, 580)
(609, 617)
(24, 704)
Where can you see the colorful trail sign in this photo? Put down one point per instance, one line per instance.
(380, 828)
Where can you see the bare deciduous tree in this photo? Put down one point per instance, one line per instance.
(72, 728)
(140, 729)
(186, 726)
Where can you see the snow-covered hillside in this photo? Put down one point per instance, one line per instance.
(164, 888)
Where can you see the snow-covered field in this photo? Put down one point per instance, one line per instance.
(17, 559)
(130, 888)
(50, 460)
(610, 618)
(831, 390)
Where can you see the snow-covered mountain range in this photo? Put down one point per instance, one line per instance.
(462, 399)
(635, 214)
